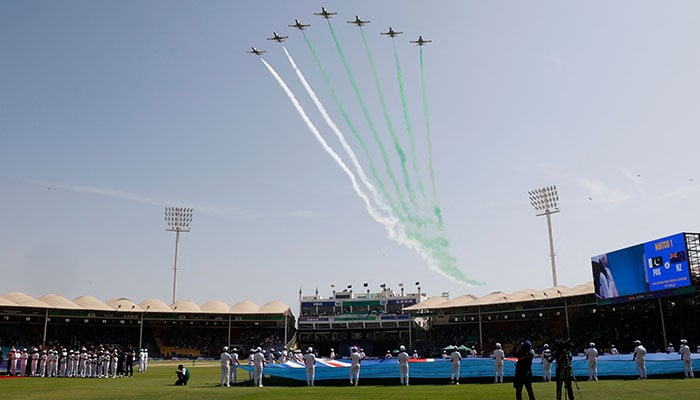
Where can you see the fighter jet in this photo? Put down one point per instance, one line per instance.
(358, 21)
(299, 25)
(256, 51)
(277, 37)
(421, 41)
(325, 14)
(391, 32)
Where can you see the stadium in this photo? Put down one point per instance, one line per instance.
(379, 322)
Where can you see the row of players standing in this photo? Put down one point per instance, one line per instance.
(564, 365)
(93, 363)
(257, 359)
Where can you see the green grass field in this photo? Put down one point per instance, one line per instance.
(204, 384)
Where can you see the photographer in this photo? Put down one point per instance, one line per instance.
(523, 370)
(564, 371)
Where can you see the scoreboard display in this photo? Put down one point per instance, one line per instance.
(653, 269)
(667, 263)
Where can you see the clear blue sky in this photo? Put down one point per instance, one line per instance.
(111, 110)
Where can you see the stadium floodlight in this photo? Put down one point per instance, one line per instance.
(546, 202)
(178, 220)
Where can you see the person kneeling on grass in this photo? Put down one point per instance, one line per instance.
(183, 375)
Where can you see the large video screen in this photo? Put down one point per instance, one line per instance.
(645, 270)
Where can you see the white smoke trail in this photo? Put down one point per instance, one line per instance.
(339, 134)
(396, 231)
(388, 223)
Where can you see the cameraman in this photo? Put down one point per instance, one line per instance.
(564, 371)
(523, 370)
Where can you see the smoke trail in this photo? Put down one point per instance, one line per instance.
(397, 144)
(407, 120)
(357, 136)
(378, 141)
(435, 253)
(432, 252)
(389, 224)
(351, 154)
(436, 202)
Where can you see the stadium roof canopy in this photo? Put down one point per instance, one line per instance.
(244, 307)
(24, 300)
(215, 307)
(61, 302)
(275, 307)
(7, 303)
(122, 304)
(498, 297)
(91, 303)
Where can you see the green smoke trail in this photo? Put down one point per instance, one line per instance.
(363, 145)
(436, 202)
(397, 144)
(382, 150)
(438, 247)
(442, 261)
(407, 120)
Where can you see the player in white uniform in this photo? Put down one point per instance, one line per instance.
(258, 363)
(271, 356)
(592, 357)
(613, 350)
(23, 358)
(310, 363)
(35, 362)
(142, 362)
(71, 363)
(332, 355)
(106, 361)
(52, 365)
(355, 360)
(94, 364)
(684, 351)
(546, 363)
(640, 354)
(251, 363)
(225, 368)
(16, 360)
(145, 360)
(282, 358)
(403, 365)
(670, 349)
(63, 362)
(498, 356)
(234, 365)
(83, 363)
(42, 363)
(115, 363)
(455, 360)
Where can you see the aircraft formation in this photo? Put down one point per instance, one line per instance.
(327, 15)
(396, 196)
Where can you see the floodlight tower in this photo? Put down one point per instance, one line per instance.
(178, 220)
(546, 202)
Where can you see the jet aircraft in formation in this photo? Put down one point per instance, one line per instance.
(325, 13)
(391, 32)
(277, 37)
(255, 51)
(358, 21)
(299, 25)
(421, 41)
